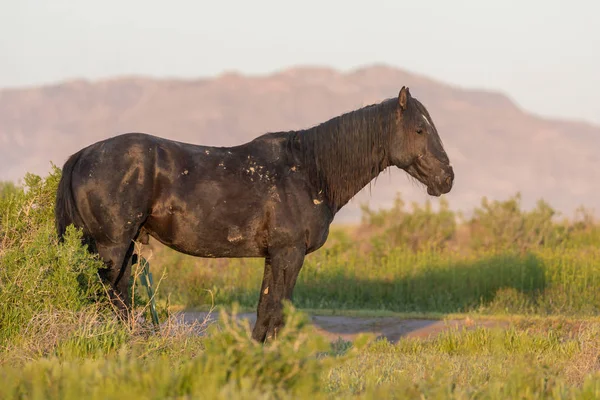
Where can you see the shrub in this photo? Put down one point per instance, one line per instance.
(36, 273)
(503, 225)
(420, 229)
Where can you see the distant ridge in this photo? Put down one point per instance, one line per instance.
(496, 147)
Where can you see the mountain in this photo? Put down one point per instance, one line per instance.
(497, 148)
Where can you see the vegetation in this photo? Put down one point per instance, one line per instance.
(37, 276)
(502, 260)
(60, 339)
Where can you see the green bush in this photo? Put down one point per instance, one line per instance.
(420, 229)
(503, 225)
(499, 225)
(8, 189)
(37, 275)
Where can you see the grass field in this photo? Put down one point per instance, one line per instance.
(537, 273)
(543, 281)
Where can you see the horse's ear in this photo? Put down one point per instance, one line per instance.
(403, 97)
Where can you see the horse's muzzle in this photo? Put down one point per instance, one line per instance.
(442, 183)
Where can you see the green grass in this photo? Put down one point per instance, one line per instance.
(481, 363)
(542, 281)
(484, 363)
(59, 338)
(504, 260)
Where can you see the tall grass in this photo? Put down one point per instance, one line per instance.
(503, 260)
(36, 274)
(59, 338)
(480, 363)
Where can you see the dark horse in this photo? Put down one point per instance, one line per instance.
(273, 197)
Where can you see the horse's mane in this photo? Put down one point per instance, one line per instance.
(343, 154)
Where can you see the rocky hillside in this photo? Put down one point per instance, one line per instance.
(497, 148)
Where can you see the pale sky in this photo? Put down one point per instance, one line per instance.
(544, 54)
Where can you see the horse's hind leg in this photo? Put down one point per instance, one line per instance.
(118, 261)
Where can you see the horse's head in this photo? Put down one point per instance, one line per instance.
(417, 148)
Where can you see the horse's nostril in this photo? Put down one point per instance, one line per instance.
(449, 180)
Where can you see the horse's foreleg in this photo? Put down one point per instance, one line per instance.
(282, 267)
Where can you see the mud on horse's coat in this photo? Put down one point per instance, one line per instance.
(273, 197)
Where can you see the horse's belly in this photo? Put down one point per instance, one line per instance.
(209, 239)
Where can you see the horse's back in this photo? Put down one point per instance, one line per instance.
(201, 200)
(220, 201)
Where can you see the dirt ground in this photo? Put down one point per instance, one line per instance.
(392, 328)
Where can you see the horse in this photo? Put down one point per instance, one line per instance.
(273, 197)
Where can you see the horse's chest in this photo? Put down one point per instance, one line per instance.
(316, 226)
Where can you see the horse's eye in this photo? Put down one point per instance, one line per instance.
(419, 131)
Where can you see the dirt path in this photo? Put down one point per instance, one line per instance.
(393, 328)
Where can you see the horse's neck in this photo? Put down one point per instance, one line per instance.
(355, 185)
(348, 152)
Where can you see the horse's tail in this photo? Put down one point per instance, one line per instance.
(65, 210)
